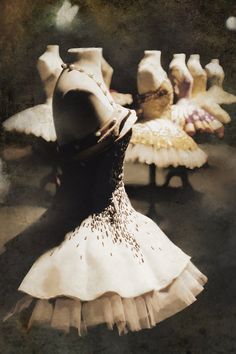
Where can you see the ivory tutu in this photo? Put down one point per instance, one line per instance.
(212, 107)
(192, 118)
(132, 314)
(116, 267)
(164, 144)
(37, 120)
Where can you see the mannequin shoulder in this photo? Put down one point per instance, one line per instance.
(48, 65)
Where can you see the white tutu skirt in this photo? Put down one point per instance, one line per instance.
(125, 272)
(37, 121)
(192, 118)
(208, 103)
(123, 99)
(127, 314)
(164, 144)
(220, 96)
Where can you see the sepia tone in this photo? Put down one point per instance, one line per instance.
(198, 215)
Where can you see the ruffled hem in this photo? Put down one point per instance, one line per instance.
(192, 119)
(165, 157)
(127, 314)
(213, 108)
(37, 121)
(220, 96)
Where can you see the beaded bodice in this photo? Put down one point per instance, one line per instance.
(96, 181)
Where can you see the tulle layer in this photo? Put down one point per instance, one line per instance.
(212, 107)
(192, 118)
(127, 314)
(162, 133)
(220, 96)
(37, 121)
(164, 158)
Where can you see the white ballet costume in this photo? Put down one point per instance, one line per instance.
(186, 112)
(38, 120)
(115, 268)
(157, 140)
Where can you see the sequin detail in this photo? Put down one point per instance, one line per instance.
(116, 220)
(162, 136)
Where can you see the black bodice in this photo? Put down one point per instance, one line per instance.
(89, 184)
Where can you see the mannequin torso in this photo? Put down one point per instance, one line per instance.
(215, 73)
(79, 104)
(82, 104)
(49, 68)
(180, 76)
(152, 81)
(198, 73)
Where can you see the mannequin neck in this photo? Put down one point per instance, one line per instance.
(89, 59)
(180, 56)
(215, 61)
(54, 49)
(153, 54)
(195, 57)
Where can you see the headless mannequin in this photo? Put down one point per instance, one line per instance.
(198, 73)
(150, 72)
(180, 76)
(151, 77)
(215, 73)
(49, 68)
(81, 103)
(211, 99)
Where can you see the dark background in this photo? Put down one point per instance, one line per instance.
(200, 219)
(123, 28)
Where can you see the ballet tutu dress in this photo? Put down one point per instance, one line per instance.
(157, 139)
(37, 121)
(117, 267)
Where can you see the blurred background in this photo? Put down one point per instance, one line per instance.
(200, 219)
(124, 28)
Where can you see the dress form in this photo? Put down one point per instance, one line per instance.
(215, 76)
(186, 113)
(156, 140)
(198, 74)
(180, 76)
(152, 81)
(150, 71)
(215, 73)
(38, 120)
(49, 68)
(211, 99)
(82, 103)
(115, 266)
(78, 94)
